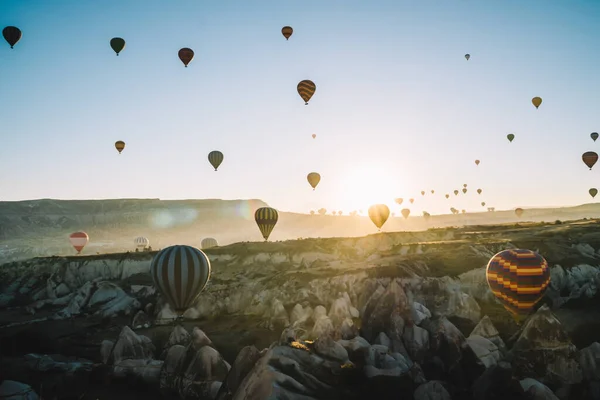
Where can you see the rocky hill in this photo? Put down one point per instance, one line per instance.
(41, 227)
(404, 314)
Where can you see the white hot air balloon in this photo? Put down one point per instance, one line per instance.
(207, 243)
(141, 243)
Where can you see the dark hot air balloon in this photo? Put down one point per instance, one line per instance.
(594, 136)
(518, 278)
(180, 273)
(537, 101)
(117, 44)
(510, 137)
(12, 35)
(215, 158)
(589, 158)
(119, 145)
(306, 89)
(287, 31)
(266, 219)
(186, 55)
(593, 192)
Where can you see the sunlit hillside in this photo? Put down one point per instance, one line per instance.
(41, 227)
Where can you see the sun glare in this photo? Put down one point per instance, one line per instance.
(366, 185)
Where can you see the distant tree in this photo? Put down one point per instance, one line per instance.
(334, 212)
(340, 212)
(149, 248)
(558, 222)
(137, 250)
(312, 212)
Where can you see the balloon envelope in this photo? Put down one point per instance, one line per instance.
(141, 242)
(405, 212)
(215, 158)
(208, 243)
(510, 137)
(594, 136)
(79, 240)
(266, 218)
(519, 279)
(593, 192)
(180, 273)
(12, 35)
(287, 31)
(379, 213)
(119, 145)
(313, 179)
(186, 55)
(537, 101)
(117, 44)
(306, 89)
(589, 158)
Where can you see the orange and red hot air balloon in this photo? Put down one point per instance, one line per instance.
(79, 240)
(518, 278)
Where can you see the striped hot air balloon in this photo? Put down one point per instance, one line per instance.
(266, 219)
(518, 278)
(186, 55)
(180, 273)
(379, 214)
(215, 158)
(207, 243)
(141, 242)
(79, 240)
(306, 89)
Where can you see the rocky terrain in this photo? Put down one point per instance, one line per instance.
(36, 228)
(386, 316)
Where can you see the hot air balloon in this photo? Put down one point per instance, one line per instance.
(117, 44)
(456, 192)
(12, 35)
(594, 136)
(399, 200)
(186, 55)
(510, 137)
(593, 192)
(306, 89)
(411, 200)
(518, 278)
(141, 242)
(79, 240)
(432, 191)
(287, 32)
(483, 204)
(479, 191)
(464, 190)
(180, 273)
(119, 145)
(589, 158)
(314, 136)
(266, 219)
(477, 162)
(519, 212)
(207, 243)
(426, 215)
(537, 101)
(447, 195)
(464, 185)
(405, 212)
(467, 56)
(313, 178)
(463, 211)
(379, 213)
(215, 158)
(422, 193)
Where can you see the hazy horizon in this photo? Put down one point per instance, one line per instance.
(397, 108)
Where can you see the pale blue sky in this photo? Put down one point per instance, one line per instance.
(395, 96)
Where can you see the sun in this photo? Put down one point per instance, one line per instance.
(368, 184)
